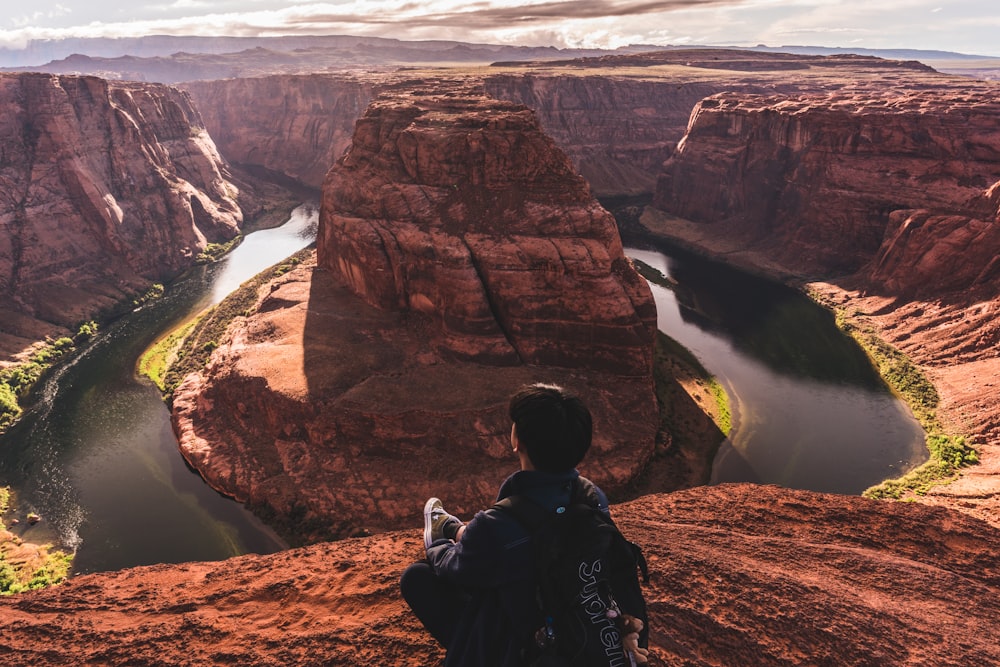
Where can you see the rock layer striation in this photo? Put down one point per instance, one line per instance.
(462, 209)
(295, 126)
(104, 188)
(812, 179)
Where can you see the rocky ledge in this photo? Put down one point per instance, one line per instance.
(741, 575)
(459, 256)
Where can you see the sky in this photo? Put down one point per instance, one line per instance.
(967, 26)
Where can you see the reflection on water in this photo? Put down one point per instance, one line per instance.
(265, 248)
(809, 411)
(97, 457)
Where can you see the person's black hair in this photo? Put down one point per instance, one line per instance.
(553, 426)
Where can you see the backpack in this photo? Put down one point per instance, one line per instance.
(587, 574)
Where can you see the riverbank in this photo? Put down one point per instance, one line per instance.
(22, 370)
(27, 561)
(95, 455)
(18, 378)
(941, 407)
(187, 347)
(694, 421)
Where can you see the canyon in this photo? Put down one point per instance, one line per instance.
(617, 118)
(376, 370)
(292, 126)
(783, 154)
(105, 188)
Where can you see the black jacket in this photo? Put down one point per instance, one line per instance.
(494, 562)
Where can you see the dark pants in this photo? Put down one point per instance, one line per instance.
(437, 603)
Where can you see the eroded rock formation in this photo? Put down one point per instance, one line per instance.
(296, 126)
(619, 117)
(462, 209)
(104, 188)
(459, 256)
(811, 179)
(741, 575)
(617, 131)
(928, 252)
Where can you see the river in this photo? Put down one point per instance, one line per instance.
(96, 457)
(809, 410)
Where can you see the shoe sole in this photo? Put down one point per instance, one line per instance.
(428, 508)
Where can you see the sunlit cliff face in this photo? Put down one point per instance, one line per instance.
(108, 187)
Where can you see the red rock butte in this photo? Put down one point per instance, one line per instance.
(459, 257)
(459, 207)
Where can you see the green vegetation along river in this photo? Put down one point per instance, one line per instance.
(809, 410)
(95, 455)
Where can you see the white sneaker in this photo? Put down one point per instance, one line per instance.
(435, 519)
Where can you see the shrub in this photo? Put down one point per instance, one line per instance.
(53, 570)
(8, 577)
(155, 291)
(86, 330)
(10, 411)
(215, 251)
(4, 503)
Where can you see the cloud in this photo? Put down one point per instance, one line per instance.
(26, 20)
(563, 23)
(559, 22)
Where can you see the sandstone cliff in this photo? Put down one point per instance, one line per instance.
(927, 252)
(619, 117)
(617, 131)
(460, 208)
(104, 188)
(459, 256)
(741, 575)
(295, 126)
(811, 179)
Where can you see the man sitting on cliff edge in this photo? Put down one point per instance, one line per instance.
(477, 591)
